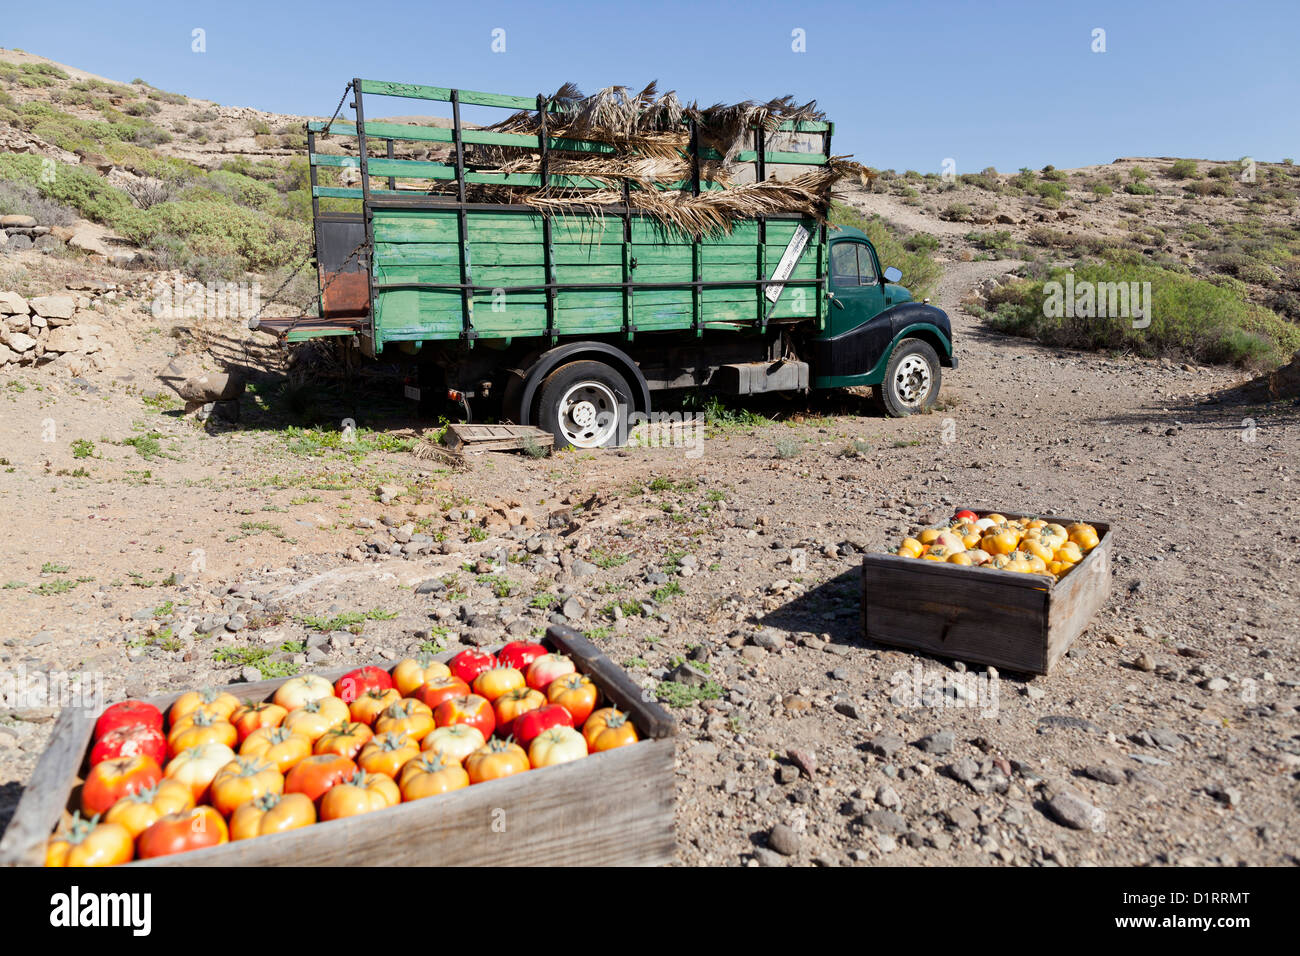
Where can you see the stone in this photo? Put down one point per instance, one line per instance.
(884, 745)
(1072, 810)
(1107, 775)
(783, 840)
(963, 818)
(582, 569)
(20, 342)
(1166, 739)
(769, 639)
(17, 221)
(430, 586)
(688, 676)
(54, 306)
(250, 674)
(86, 239)
(63, 339)
(11, 303)
(886, 821)
(19, 243)
(7, 355)
(938, 743)
(573, 609)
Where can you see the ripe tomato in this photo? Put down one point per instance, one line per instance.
(576, 694)
(410, 717)
(346, 739)
(110, 781)
(356, 682)
(494, 682)
(297, 691)
(471, 662)
(608, 728)
(360, 793)
(280, 745)
(470, 709)
(198, 727)
(514, 704)
(429, 775)
(128, 713)
(435, 691)
(90, 843)
(557, 745)
(250, 717)
(138, 811)
(129, 741)
(313, 718)
(411, 674)
(519, 654)
(213, 700)
(317, 774)
(373, 702)
(272, 813)
(529, 726)
(454, 742)
(547, 668)
(387, 753)
(965, 515)
(177, 832)
(244, 779)
(197, 766)
(497, 758)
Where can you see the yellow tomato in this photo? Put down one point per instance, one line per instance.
(910, 548)
(272, 813)
(280, 745)
(218, 703)
(936, 553)
(1084, 535)
(1037, 547)
(411, 674)
(244, 779)
(387, 753)
(362, 793)
(961, 557)
(411, 717)
(315, 717)
(138, 811)
(428, 775)
(89, 843)
(996, 518)
(1069, 552)
(1000, 540)
(454, 742)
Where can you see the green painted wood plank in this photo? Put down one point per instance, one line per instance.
(436, 134)
(805, 126)
(345, 192)
(442, 94)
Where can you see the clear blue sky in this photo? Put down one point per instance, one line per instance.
(1006, 84)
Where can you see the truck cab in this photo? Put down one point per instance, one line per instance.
(876, 334)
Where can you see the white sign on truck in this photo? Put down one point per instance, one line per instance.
(789, 259)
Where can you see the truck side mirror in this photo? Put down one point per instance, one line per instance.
(892, 274)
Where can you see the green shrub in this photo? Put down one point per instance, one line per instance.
(957, 212)
(1210, 187)
(1101, 189)
(218, 229)
(1184, 169)
(1138, 189)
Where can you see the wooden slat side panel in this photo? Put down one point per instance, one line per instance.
(614, 682)
(970, 617)
(1076, 598)
(608, 809)
(46, 795)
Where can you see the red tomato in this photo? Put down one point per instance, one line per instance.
(469, 663)
(533, 724)
(435, 691)
(576, 694)
(178, 832)
(129, 741)
(966, 515)
(317, 774)
(470, 709)
(129, 713)
(547, 668)
(356, 682)
(110, 781)
(519, 654)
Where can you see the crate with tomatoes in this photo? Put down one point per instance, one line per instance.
(214, 768)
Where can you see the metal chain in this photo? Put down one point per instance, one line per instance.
(326, 130)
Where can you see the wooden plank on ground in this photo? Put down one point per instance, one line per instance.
(466, 438)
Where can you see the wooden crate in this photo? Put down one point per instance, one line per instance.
(1021, 622)
(613, 808)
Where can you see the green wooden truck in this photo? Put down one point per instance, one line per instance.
(572, 322)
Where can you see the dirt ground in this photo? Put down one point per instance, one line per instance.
(168, 554)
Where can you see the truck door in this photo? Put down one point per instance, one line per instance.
(855, 283)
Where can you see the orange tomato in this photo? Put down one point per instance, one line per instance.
(177, 832)
(218, 703)
(576, 694)
(454, 742)
(138, 811)
(313, 718)
(280, 745)
(199, 727)
(90, 843)
(360, 793)
(369, 705)
(434, 691)
(346, 739)
(910, 548)
(387, 753)
(111, 780)
(272, 813)
(1000, 540)
(1084, 535)
(428, 775)
(250, 717)
(410, 717)
(497, 758)
(497, 681)
(244, 779)
(411, 674)
(608, 728)
(515, 703)
(317, 774)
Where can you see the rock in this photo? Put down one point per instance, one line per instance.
(19, 243)
(886, 821)
(573, 609)
(938, 743)
(11, 303)
(884, 745)
(20, 342)
(582, 569)
(7, 355)
(963, 818)
(17, 221)
(783, 840)
(63, 339)
(967, 771)
(250, 674)
(211, 387)
(1107, 775)
(766, 857)
(1072, 723)
(1215, 685)
(888, 798)
(769, 639)
(1166, 739)
(1228, 796)
(847, 709)
(805, 761)
(85, 239)
(54, 306)
(1144, 663)
(687, 675)
(1071, 809)
(430, 586)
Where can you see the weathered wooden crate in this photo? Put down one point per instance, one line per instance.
(613, 808)
(1021, 622)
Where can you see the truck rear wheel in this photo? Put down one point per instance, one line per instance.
(584, 404)
(912, 379)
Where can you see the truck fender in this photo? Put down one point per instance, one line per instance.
(542, 365)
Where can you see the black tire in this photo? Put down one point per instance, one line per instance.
(912, 379)
(604, 392)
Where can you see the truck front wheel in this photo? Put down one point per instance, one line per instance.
(584, 404)
(912, 378)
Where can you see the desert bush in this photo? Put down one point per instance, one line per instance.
(997, 241)
(1101, 188)
(1138, 189)
(23, 199)
(1210, 187)
(1052, 174)
(218, 229)
(957, 212)
(921, 242)
(1183, 169)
